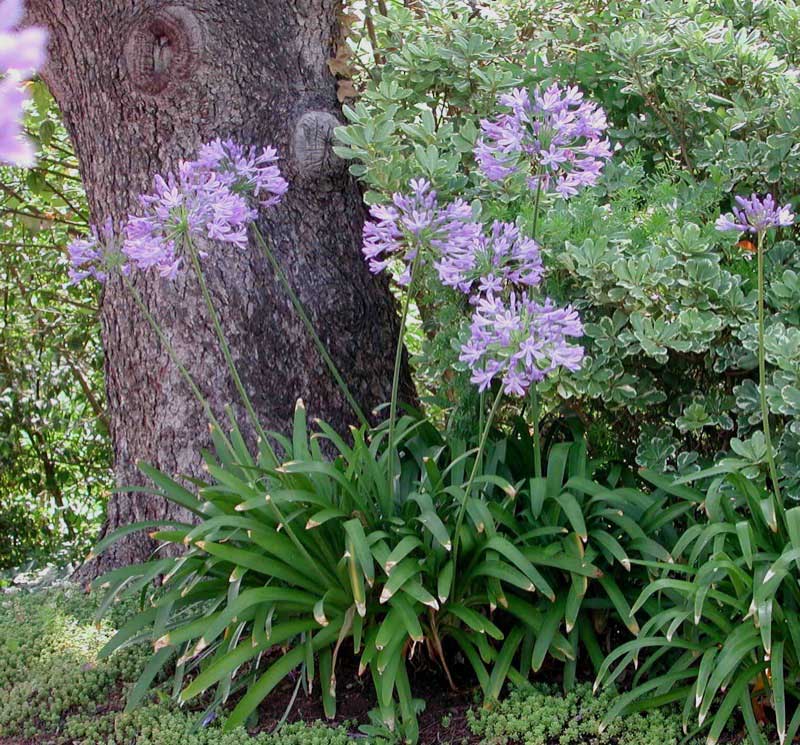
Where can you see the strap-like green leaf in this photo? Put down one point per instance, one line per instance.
(171, 489)
(503, 662)
(514, 555)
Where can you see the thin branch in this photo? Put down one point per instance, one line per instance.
(40, 216)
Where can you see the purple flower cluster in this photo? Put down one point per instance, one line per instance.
(195, 205)
(96, 255)
(520, 341)
(213, 198)
(22, 53)
(554, 139)
(414, 223)
(511, 336)
(491, 263)
(755, 215)
(244, 170)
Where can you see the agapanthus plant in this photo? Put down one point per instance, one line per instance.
(215, 198)
(520, 342)
(757, 215)
(492, 263)
(554, 139)
(22, 53)
(410, 230)
(416, 222)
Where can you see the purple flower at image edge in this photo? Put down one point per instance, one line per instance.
(20, 49)
(555, 137)
(15, 148)
(521, 342)
(755, 215)
(416, 222)
(22, 54)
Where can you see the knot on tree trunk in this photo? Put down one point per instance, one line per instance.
(312, 146)
(163, 47)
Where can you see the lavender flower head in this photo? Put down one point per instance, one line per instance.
(22, 53)
(755, 215)
(555, 140)
(492, 263)
(520, 341)
(96, 256)
(193, 206)
(414, 223)
(244, 170)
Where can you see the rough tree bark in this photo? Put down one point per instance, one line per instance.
(142, 83)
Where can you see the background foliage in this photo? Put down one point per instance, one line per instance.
(54, 452)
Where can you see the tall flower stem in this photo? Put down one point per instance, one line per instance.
(536, 204)
(474, 473)
(398, 359)
(537, 437)
(481, 412)
(301, 312)
(185, 374)
(762, 372)
(535, 407)
(226, 351)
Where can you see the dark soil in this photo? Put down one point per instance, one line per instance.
(355, 698)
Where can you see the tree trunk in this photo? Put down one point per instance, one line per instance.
(142, 84)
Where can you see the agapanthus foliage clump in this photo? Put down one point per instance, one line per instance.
(553, 138)
(22, 53)
(520, 342)
(214, 198)
(755, 215)
(491, 263)
(416, 222)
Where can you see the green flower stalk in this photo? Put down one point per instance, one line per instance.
(223, 343)
(756, 216)
(301, 313)
(762, 372)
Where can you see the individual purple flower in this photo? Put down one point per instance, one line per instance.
(555, 140)
(414, 223)
(244, 170)
(490, 263)
(96, 255)
(192, 206)
(520, 341)
(22, 53)
(755, 215)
